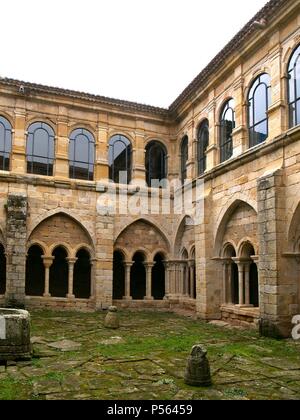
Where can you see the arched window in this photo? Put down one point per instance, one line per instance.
(227, 125)
(202, 145)
(294, 88)
(184, 154)
(5, 143)
(259, 100)
(119, 159)
(156, 163)
(40, 149)
(82, 155)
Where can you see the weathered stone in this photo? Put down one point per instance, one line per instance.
(15, 335)
(198, 369)
(112, 319)
(65, 345)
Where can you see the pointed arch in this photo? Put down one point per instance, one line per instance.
(224, 218)
(186, 223)
(294, 230)
(64, 212)
(151, 224)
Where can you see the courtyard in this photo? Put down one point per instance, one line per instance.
(76, 358)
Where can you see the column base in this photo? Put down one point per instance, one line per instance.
(47, 295)
(127, 298)
(148, 298)
(71, 297)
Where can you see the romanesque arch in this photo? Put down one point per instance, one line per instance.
(59, 259)
(237, 221)
(236, 244)
(184, 252)
(139, 270)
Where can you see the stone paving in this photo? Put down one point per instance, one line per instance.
(76, 357)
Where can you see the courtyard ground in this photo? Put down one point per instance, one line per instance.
(75, 357)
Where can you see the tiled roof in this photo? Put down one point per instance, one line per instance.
(267, 12)
(125, 105)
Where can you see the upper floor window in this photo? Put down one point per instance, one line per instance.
(202, 145)
(184, 154)
(294, 88)
(156, 163)
(40, 149)
(5, 143)
(227, 125)
(119, 159)
(82, 155)
(259, 100)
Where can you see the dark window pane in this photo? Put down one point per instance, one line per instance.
(5, 143)
(258, 134)
(294, 87)
(82, 155)
(227, 125)
(156, 163)
(119, 159)
(298, 112)
(184, 158)
(259, 101)
(203, 142)
(40, 149)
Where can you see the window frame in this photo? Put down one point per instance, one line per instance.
(184, 157)
(164, 161)
(202, 146)
(252, 109)
(120, 138)
(90, 162)
(293, 112)
(30, 143)
(229, 105)
(7, 144)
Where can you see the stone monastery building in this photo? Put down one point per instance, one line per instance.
(236, 128)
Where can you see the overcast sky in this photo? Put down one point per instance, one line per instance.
(141, 50)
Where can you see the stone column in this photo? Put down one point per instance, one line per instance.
(101, 162)
(149, 267)
(182, 273)
(71, 262)
(93, 264)
(138, 155)
(186, 280)
(241, 283)
(225, 281)
(18, 156)
(48, 261)
(61, 166)
(247, 284)
(229, 284)
(167, 280)
(16, 234)
(171, 279)
(128, 266)
(192, 277)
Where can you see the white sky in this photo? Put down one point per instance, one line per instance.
(141, 50)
